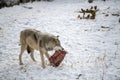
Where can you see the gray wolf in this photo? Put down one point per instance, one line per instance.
(31, 39)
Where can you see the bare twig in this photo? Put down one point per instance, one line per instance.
(104, 65)
(116, 50)
(79, 76)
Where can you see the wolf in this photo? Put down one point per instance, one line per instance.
(31, 39)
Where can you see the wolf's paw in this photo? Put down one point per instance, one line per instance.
(21, 63)
(43, 66)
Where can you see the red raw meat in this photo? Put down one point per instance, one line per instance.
(57, 58)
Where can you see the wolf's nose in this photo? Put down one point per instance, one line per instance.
(62, 48)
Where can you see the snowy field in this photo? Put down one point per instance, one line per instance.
(93, 45)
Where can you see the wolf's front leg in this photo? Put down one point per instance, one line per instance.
(42, 58)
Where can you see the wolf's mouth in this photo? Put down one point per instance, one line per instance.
(49, 49)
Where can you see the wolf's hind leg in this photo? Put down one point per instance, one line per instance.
(23, 47)
(32, 55)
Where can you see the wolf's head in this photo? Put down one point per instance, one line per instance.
(51, 43)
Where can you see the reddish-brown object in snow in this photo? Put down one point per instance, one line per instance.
(57, 58)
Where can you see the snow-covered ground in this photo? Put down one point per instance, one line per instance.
(93, 45)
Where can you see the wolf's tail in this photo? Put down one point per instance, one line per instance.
(28, 49)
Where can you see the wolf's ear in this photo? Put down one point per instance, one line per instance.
(58, 36)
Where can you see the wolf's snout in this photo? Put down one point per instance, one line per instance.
(58, 48)
(62, 48)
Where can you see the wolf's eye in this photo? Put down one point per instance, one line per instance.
(53, 40)
(57, 42)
